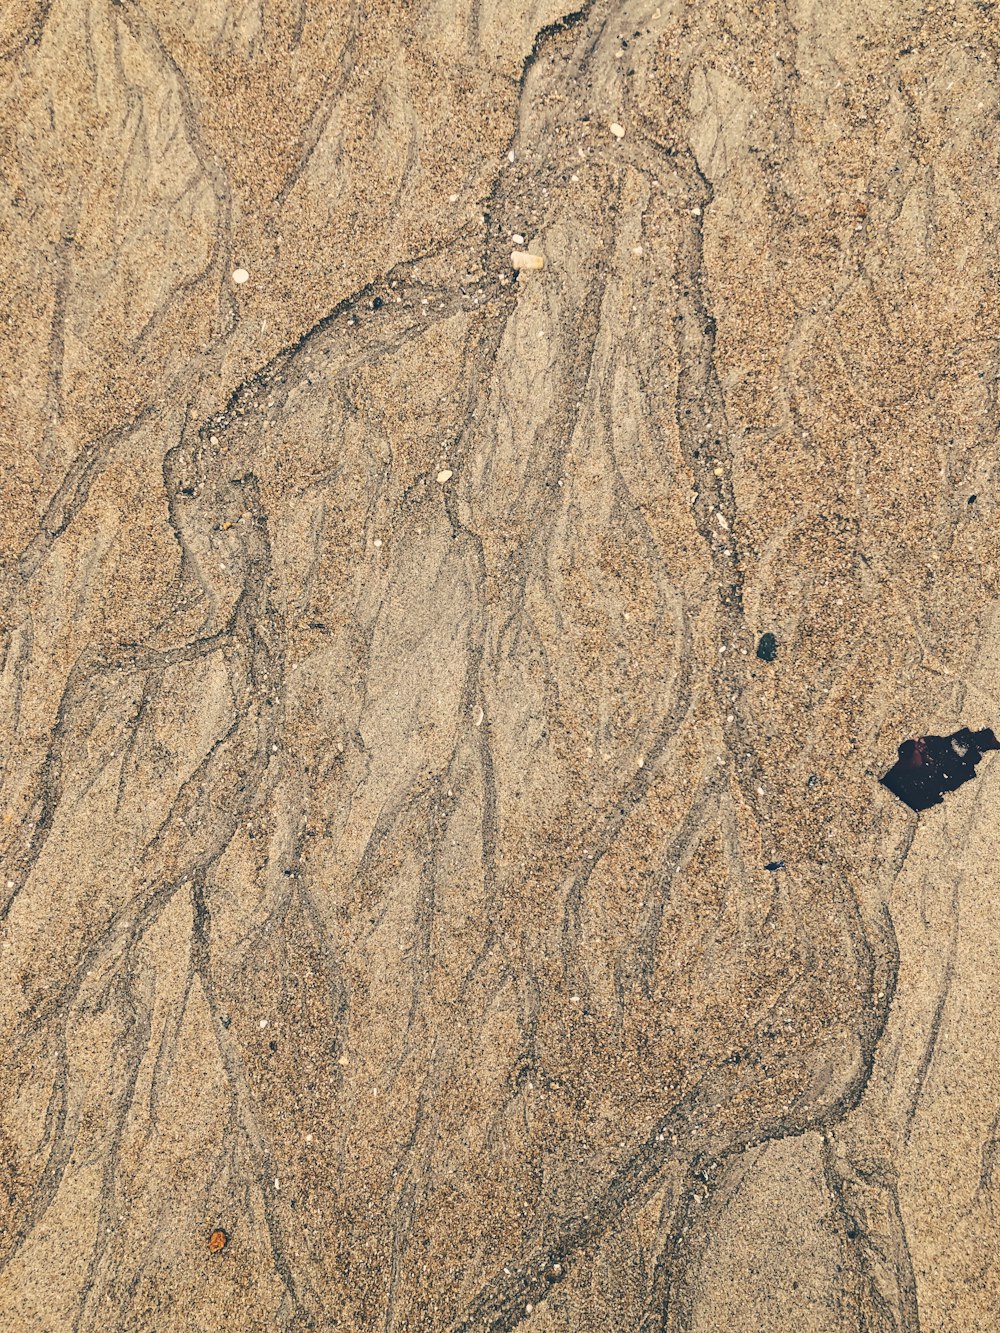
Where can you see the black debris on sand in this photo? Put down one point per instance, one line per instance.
(931, 765)
(767, 648)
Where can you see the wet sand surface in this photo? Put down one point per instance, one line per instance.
(392, 752)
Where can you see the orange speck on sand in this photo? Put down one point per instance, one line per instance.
(217, 1241)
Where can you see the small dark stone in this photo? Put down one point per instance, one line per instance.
(775, 865)
(971, 500)
(272, 1045)
(377, 303)
(767, 648)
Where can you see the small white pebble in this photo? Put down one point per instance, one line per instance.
(263, 1024)
(453, 199)
(10, 884)
(518, 239)
(377, 543)
(343, 1062)
(637, 251)
(520, 259)
(479, 717)
(240, 276)
(510, 156)
(618, 130)
(309, 1138)
(444, 475)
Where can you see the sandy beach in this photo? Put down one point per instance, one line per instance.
(487, 491)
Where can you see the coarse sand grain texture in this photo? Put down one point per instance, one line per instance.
(487, 491)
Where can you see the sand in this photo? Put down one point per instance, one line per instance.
(389, 770)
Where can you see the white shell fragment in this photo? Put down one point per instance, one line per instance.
(520, 259)
(444, 475)
(618, 130)
(240, 276)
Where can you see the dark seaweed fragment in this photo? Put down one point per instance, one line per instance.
(931, 765)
